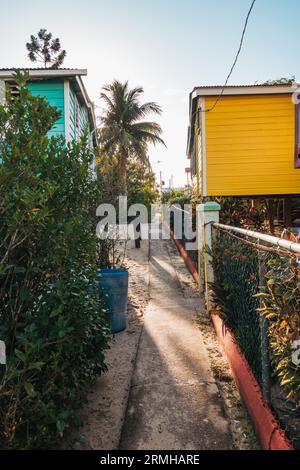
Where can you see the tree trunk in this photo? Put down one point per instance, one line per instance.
(123, 173)
(138, 240)
(287, 213)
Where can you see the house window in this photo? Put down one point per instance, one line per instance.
(297, 140)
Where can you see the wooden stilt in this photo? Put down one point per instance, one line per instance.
(287, 212)
(271, 215)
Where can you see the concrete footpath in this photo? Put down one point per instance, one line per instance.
(174, 402)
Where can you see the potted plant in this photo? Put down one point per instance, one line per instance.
(113, 280)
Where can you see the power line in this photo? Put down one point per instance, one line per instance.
(235, 60)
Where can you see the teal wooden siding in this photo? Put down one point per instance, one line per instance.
(53, 91)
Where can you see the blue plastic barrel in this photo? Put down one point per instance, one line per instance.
(114, 285)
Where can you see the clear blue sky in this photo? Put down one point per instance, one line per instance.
(167, 46)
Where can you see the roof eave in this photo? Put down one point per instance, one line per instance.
(244, 90)
(44, 73)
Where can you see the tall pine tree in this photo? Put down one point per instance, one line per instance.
(44, 49)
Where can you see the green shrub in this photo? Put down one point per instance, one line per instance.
(241, 212)
(51, 318)
(281, 303)
(141, 185)
(179, 196)
(140, 181)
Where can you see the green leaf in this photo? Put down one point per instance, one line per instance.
(60, 426)
(19, 269)
(24, 294)
(30, 390)
(20, 355)
(287, 381)
(36, 365)
(57, 311)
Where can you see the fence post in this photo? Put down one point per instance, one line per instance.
(208, 213)
(264, 337)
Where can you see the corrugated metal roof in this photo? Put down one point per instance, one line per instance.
(7, 73)
(256, 89)
(257, 85)
(8, 69)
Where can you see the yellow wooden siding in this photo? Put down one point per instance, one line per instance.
(250, 146)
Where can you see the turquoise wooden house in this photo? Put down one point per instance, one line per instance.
(65, 90)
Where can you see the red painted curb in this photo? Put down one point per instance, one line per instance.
(270, 434)
(189, 263)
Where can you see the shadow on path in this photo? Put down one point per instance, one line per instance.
(174, 402)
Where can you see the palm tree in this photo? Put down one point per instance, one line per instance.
(123, 133)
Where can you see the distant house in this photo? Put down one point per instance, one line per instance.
(248, 144)
(63, 89)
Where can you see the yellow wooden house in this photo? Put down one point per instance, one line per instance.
(245, 141)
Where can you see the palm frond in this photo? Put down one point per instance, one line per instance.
(134, 94)
(149, 131)
(123, 131)
(107, 100)
(150, 107)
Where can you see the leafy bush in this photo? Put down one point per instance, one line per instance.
(240, 212)
(281, 305)
(51, 316)
(141, 185)
(177, 196)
